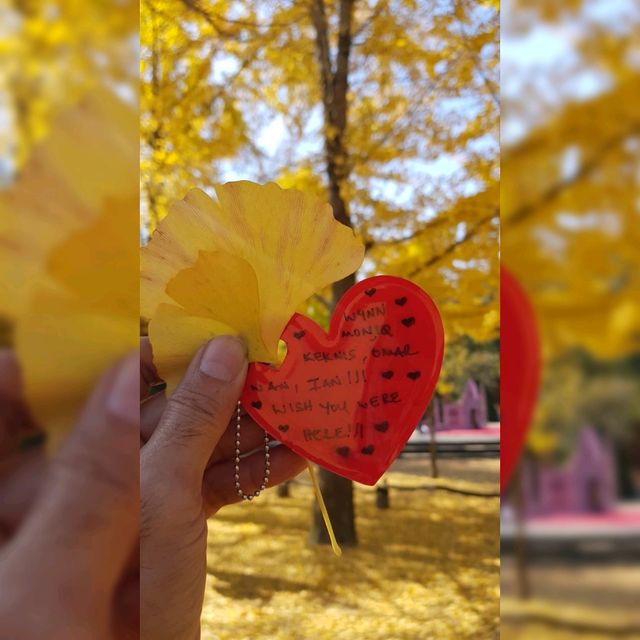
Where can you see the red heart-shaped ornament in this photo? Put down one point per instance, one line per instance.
(519, 371)
(349, 400)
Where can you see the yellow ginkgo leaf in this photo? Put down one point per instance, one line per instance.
(98, 265)
(176, 336)
(174, 246)
(71, 252)
(63, 349)
(223, 287)
(81, 317)
(217, 295)
(89, 156)
(289, 239)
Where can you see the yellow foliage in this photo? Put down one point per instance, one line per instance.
(571, 235)
(570, 194)
(54, 51)
(218, 81)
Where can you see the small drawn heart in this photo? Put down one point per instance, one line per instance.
(408, 322)
(401, 301)
(347, 395)
(370, 292)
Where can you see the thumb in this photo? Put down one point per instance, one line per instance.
(199, 410)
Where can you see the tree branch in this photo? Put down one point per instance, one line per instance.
(488, 83)
(470, 233)
(556, 189)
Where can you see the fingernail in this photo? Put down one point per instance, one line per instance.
(124, 397)
(224, 358)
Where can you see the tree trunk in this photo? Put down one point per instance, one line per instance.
(522, 574)
(433, 447)
(337, 491)
(338, 497)
(382, 496)
(283, 489)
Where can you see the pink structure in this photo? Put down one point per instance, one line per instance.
(585, 484)
(470, 412)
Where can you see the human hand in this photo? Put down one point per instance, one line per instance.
(68, 549)
(187, 474)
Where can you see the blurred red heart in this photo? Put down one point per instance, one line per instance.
(520, 365)
(349, 400)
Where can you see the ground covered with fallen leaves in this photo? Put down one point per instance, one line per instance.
(568, 601)
(426, 568)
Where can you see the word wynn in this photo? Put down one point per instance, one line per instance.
(368, 313)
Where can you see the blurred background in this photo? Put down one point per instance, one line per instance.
(68, 201)
(389, 110)
(53, 52)
(570, 229)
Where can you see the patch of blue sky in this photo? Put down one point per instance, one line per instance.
(607, 222)
(223, 67)
(469, 106)
(618, 15)
(271, 136)
(486, 145)
(420, 176)
(401, 195)
(231, 170)
(272, 139)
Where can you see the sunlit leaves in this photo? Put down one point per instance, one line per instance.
(54, 51)
(235, 89)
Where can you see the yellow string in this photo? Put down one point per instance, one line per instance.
(323, 509)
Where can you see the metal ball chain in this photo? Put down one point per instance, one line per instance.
(267, 462)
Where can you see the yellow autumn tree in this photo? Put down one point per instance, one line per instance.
(388, 109)
(570, 190)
